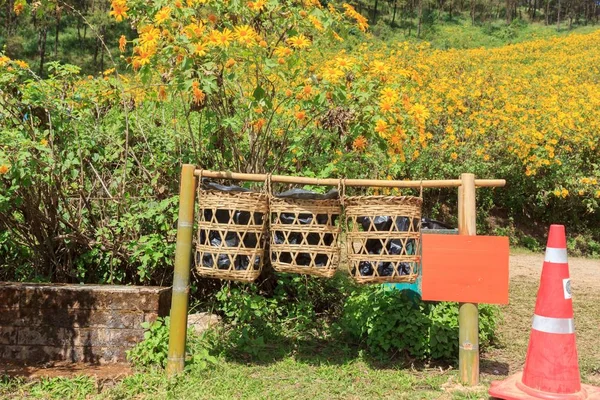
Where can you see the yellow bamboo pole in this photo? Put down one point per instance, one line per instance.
(181, 278)
(348, 182)
(468, 314)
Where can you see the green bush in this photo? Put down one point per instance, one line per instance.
(386, 320)
(153, 350)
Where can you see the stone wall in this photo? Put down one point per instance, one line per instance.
(79, 323)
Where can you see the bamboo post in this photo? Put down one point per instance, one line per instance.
(468, 314)
(181, 279)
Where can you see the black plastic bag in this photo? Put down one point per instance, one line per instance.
(404, 268)
(208, 185)
(385, 269)
(374, 246)
(411, 247)
(365, 268)
(380, 223)
(301, 194)
(242, 262)
(223, 261)
(402, 224)
(303, 259)
(321, 260)
(427, 223)
(394, 247)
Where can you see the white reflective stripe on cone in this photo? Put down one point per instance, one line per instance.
(553, 325)
(557, 256)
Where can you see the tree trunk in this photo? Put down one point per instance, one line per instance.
(547, 12)
(508, 12)
(394, 16)
(375, 12)
(420, 18)
(43, 33)
(558, 17)
(472, 12)
(56, 35)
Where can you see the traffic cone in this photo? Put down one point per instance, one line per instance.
(551, 367)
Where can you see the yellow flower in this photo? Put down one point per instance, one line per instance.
(454, 156)
(316, 23)
(390, 94)
(119, 10)
(230, 63)
(3, 169)
(386, 105)
(162, 15)
(282, 51)
(257, 5)
(245, 35)
(381, 126)
(352, 13)
(299, 41)
(344, 63)
(300, 115)
(18, 7)
(332, 74)
(200, 49)
(44, 142)
(360, 143)
(3, 60)
(22, 64)
(149, 34)
(224, 38)
(597, 194)
(197, 93)
(122, 43)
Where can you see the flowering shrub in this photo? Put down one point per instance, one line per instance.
(89, 165)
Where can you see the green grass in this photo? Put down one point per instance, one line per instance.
(459, 33)
(80, 387)
(463, 35)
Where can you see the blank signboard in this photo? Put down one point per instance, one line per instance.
(469, 269)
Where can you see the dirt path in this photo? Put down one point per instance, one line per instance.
(585, 272)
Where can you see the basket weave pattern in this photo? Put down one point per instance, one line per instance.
(304, 236)
(383, 238)
(231, 234)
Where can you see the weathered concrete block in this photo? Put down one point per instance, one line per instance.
(10, 317)
(80, 318)
(92, 323)
(91, 297)
(8, 335)
(56, 353)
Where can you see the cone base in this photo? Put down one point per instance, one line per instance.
(513, 389)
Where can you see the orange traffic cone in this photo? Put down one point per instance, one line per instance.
(551, 367)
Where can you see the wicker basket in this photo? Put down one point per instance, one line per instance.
(383, 238)
(304, 236)
(231, 234)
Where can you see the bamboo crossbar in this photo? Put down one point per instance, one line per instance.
(238, 176)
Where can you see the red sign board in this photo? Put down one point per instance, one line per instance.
(469, 269)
